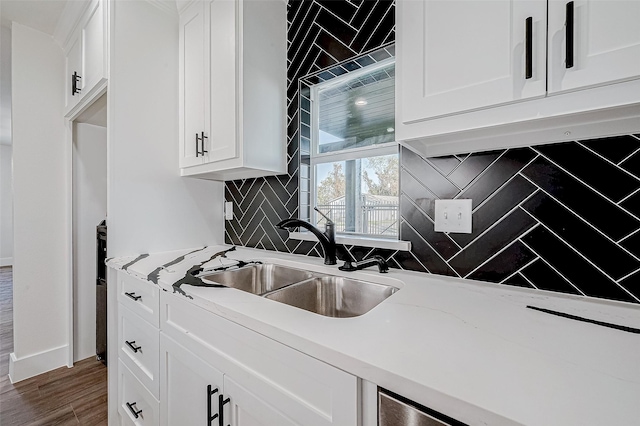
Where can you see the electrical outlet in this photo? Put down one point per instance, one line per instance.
(228, 210)
(453, 216)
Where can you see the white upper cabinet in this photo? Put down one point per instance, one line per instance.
(479, 75)
(86, 55)
(192, 84)
(463, 55)
(93, 33)
(232, 89)
(73, 72)
(592, 43)
(221, 84)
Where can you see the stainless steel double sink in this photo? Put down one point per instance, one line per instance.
(328, 295)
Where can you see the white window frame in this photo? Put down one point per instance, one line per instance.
(316, 158)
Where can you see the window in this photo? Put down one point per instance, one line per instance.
(349, 157)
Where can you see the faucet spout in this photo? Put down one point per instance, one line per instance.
(327, 238)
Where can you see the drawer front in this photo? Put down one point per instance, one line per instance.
(139, 348)
(141, 296)
(133, 397)
(308, 391)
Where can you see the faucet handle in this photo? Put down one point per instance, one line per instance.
(323, 215)
(348, 266)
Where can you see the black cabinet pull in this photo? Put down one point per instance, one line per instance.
(74, 83)
(197, 147)
(221, 403)
(569, 36)
(133, 296)
(202, 138)
(132, 345)
(210, 393)
(134, 411)
(528, 41)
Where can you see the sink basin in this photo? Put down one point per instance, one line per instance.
(333, 296)
(258, 278)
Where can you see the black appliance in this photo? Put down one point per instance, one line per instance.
(101, 292)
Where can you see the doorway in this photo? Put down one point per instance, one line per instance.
(89, 189)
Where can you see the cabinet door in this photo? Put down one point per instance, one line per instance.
(73, 64)
(136, 405)
(221, 70)
(458, 56)
(93, 46)
(189, 387)
(606, 43)
(247, 409)
(193, 57)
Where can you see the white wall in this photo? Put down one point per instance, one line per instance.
(41, 234)
(151, 208)
(6, 150)
(6, 206)
(89, 208)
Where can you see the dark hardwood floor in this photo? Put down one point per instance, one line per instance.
(64, 396)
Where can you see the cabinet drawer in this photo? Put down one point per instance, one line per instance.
(133, 397)
(308, 391)
(140, 296)
(139, 348)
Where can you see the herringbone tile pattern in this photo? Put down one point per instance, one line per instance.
(562, 217)
(321, 34)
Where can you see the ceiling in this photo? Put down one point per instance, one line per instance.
(41, 15)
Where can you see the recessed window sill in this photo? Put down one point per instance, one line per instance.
(382, 243)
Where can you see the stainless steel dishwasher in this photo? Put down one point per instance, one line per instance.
(396, 410)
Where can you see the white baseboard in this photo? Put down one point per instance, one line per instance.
(32, 365)
(6, 261)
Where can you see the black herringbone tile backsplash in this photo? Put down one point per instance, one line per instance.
(562, 217)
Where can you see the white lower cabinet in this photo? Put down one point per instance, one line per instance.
(136, 405)
(138, 348)
(193, 392)
(198, 368)
(266, 382)
(246, 409)
(189, 387)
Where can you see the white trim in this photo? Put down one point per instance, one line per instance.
(95, 93)
(6, 261)
(388, 148)
(524, 131)
(167, 6)
(358, 241)
(32, 365)
(69, 21)
(336, 81)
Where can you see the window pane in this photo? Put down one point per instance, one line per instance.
(360, 196)
(357, 111)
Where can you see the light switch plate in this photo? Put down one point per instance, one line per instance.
(453, 216)
(228, 210)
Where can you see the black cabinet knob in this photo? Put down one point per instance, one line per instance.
(133, 296)
(210, 417)
(132, 345)
(134, 411)
(74, 83)
(221, 403)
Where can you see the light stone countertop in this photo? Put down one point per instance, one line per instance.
(470, 350)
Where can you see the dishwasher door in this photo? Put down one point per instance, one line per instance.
(394, 410)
